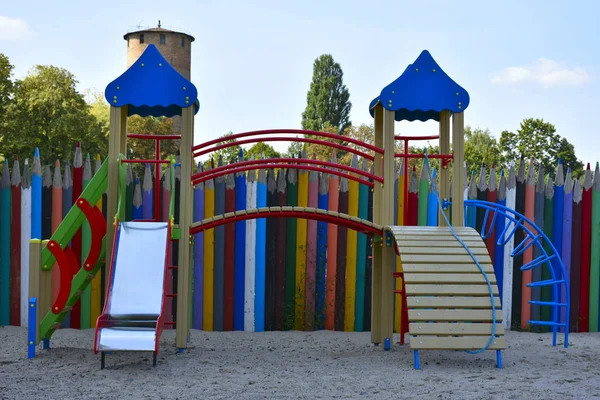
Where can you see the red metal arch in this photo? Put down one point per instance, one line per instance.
(357, 226)
(285, 139)
(289, 131)
(272, 163)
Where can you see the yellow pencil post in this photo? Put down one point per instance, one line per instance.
(301, 232)
(352, 237)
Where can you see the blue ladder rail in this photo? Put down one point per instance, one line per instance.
(533, 237)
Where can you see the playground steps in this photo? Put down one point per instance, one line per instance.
(447, 296)
(65, 232)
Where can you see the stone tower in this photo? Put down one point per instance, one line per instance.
(175, 47)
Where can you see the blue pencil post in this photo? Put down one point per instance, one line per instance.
(31, 327)
(432, 205)
(138, 203)
(261, 245)
(240, 251)
(323, 204)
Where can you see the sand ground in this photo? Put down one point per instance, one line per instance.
(298, 365)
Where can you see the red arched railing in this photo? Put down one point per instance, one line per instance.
(286, 163)
(366, 228)
(204, 148)
(275, 166)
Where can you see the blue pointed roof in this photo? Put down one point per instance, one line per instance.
(152, 87)
(421, 92)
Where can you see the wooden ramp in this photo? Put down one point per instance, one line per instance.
(448, 298)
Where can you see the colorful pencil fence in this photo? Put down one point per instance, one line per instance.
(277, 273)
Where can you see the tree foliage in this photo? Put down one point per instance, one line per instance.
(538, 139)
(6, 93)
(328, 100)
(6, 86)
(47, 111)
(260, 149)
(482, 147)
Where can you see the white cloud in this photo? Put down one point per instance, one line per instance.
(543, 72)
(14, 28)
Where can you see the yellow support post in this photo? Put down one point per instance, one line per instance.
(376, 332)
(184, 279)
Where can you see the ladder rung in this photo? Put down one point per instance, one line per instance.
(547, 303)
(547, 323)
(544, 283)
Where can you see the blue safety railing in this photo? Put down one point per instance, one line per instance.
(533, 237)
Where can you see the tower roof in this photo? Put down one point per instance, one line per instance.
(422, 92)
(152, 87)
(158, 29)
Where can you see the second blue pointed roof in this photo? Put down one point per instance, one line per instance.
(152, 87)
(422, 92)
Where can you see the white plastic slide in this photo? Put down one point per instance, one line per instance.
(132, 315)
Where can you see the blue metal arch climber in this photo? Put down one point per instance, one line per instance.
(533, 236)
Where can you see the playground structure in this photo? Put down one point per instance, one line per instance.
(150, 87)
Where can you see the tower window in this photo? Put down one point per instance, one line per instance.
(142, 38)
(182, 41)
(163, 38)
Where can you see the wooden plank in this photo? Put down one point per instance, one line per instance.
(476, 278)
(443, 250)
(432, 290)
(440, 258)
(433, 230)
(459, 328)
(439, 242)
(436, 238)
(447, 268)
(455, 343)
(453, 315)
(451, 302)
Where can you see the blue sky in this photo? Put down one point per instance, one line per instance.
(252, 60)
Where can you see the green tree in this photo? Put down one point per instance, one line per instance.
(328, 98)
(259, 149)
(538, 139)
(6, 93)
(99, 108)
(48, 112)
(293, 149)
(482, 147)
(229, 153)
